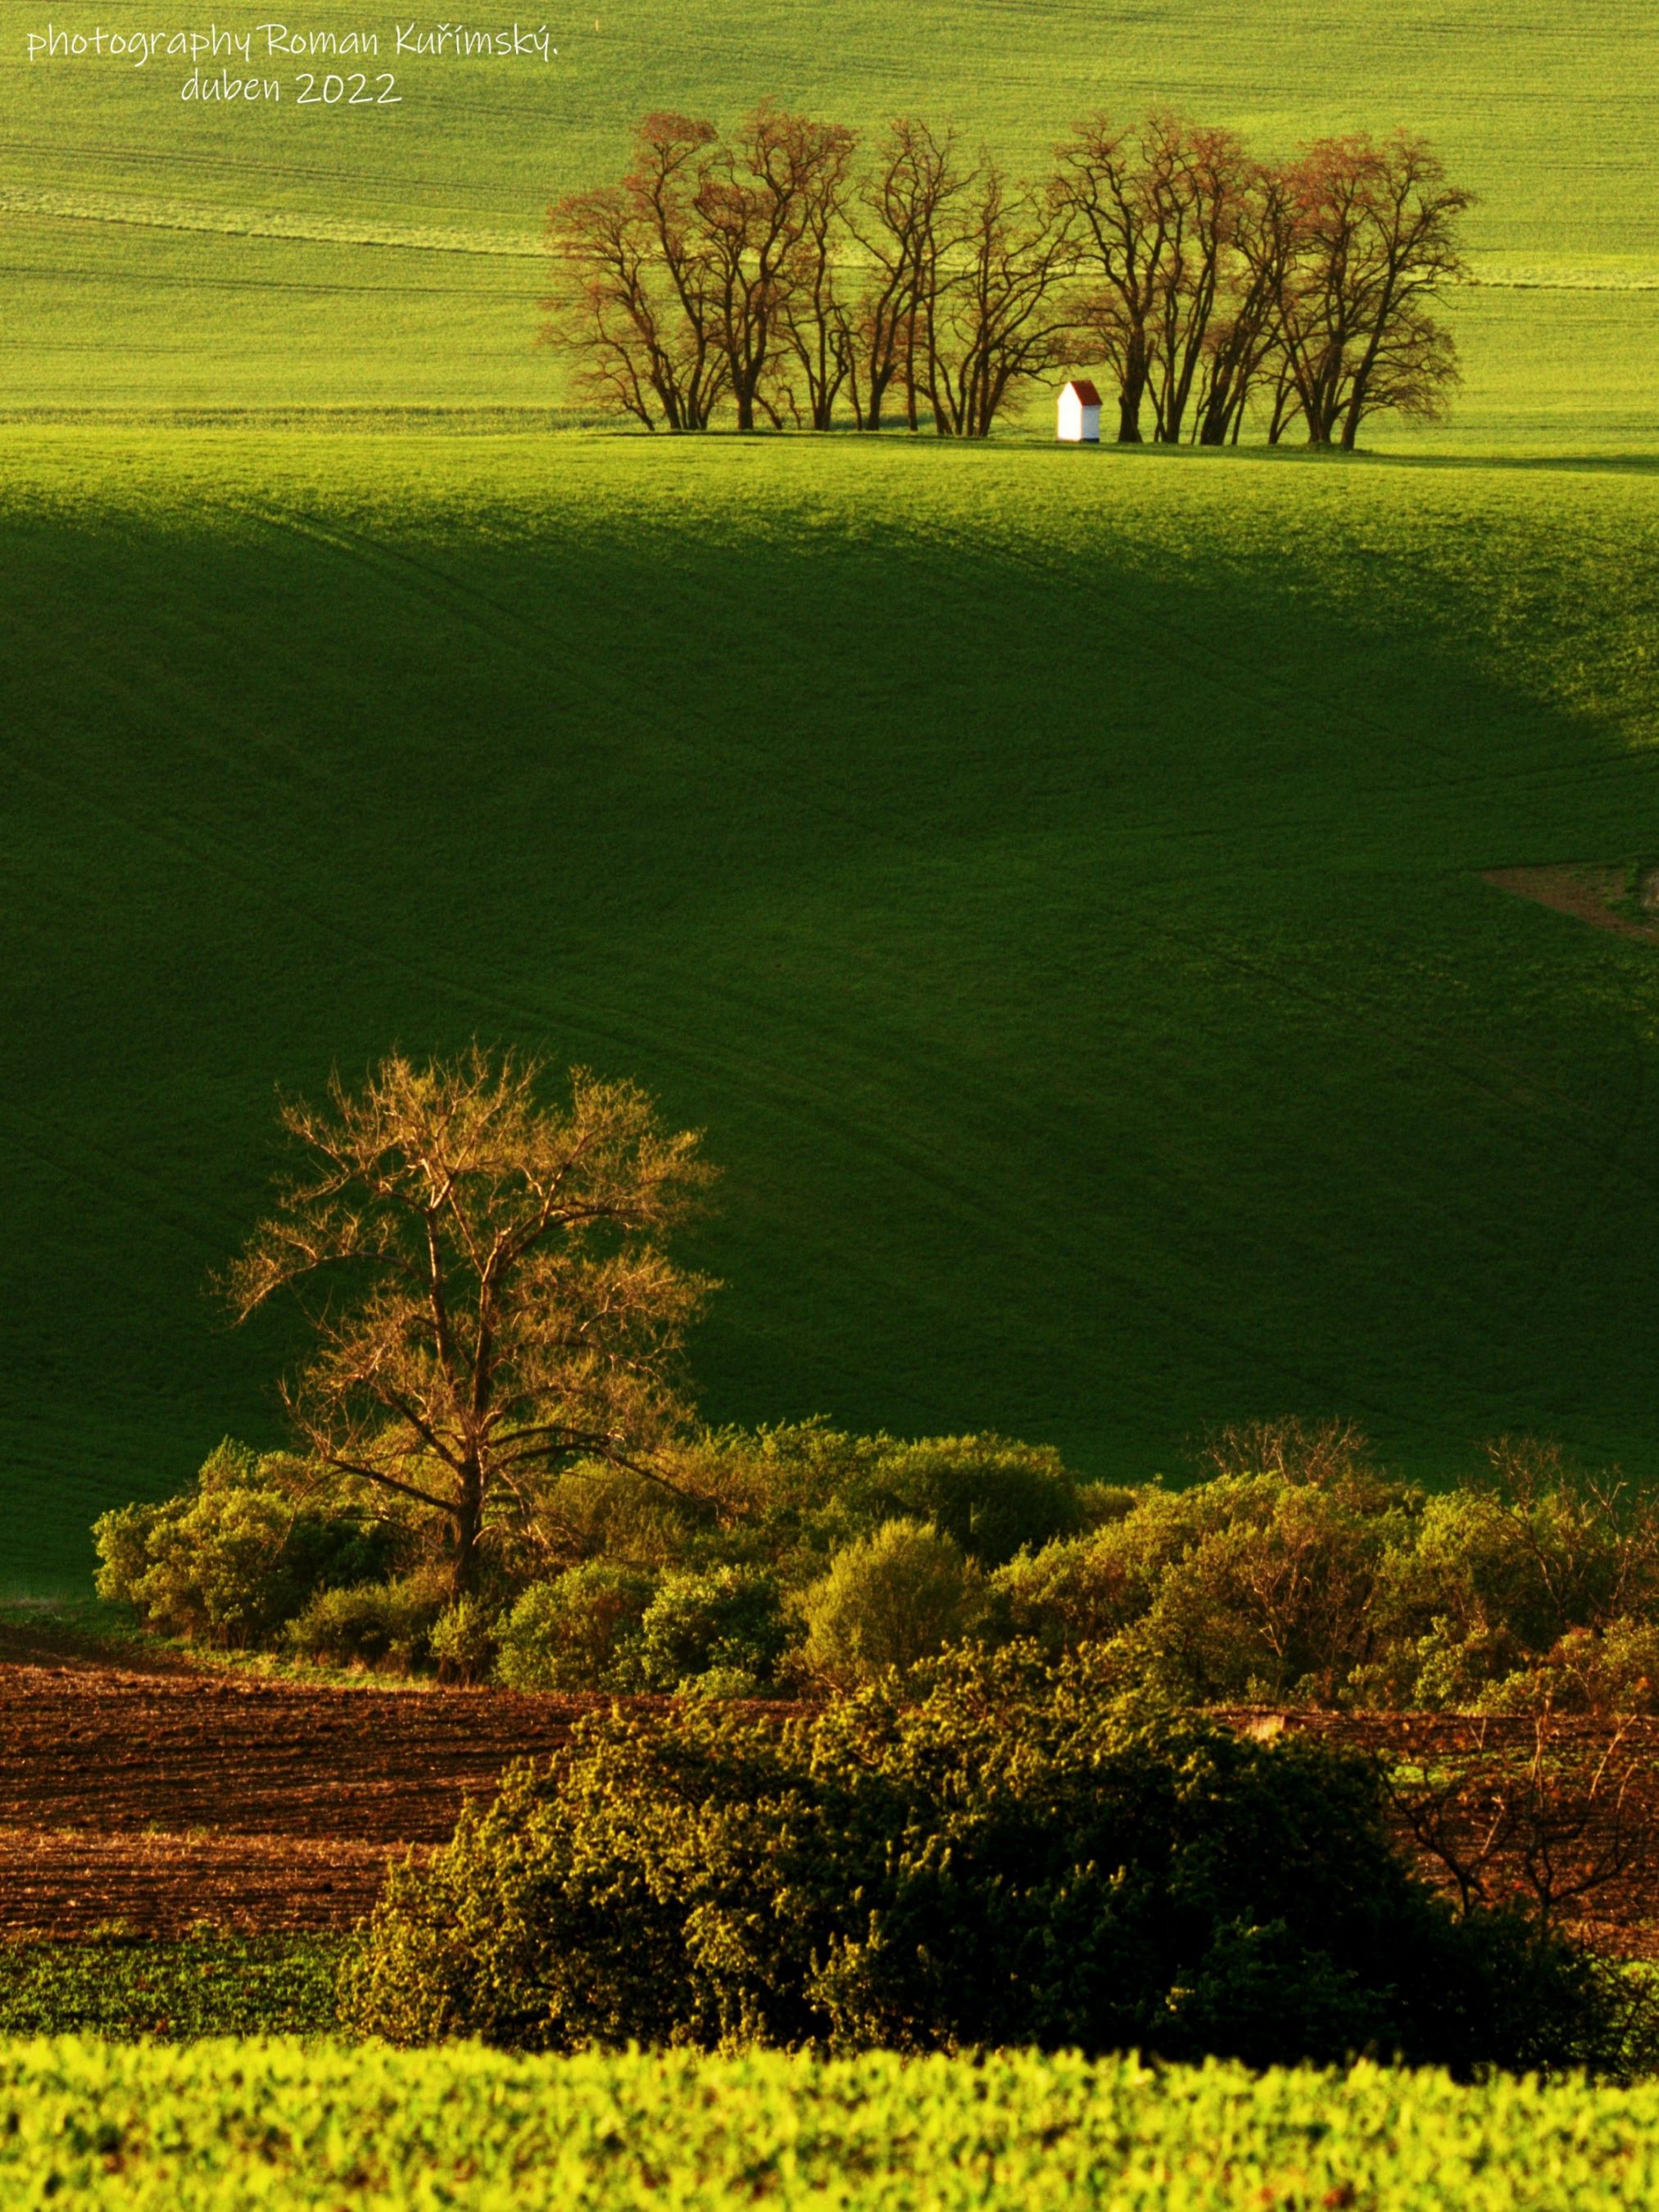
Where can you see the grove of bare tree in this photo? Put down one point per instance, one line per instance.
(788, 269)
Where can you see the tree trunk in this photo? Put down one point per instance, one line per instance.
(1129, 399)
(469, 1520)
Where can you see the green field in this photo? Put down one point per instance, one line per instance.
(216, 2127)
(1052, 878)
(160, 255)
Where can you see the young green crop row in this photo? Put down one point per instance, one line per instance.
(207, 1985)
(281, 2125)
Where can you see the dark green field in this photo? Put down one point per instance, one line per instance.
(1052, 878)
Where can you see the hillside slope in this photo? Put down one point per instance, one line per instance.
(1054, 880)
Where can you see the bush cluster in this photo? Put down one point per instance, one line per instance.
(802, 1559)
(795, 1557)
(1318, 1582)
(1015, 1857)
(236, 1556)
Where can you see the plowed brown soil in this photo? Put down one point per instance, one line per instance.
(162, 1800)
(113, 1752)
(70, 1882)
(165, 1800)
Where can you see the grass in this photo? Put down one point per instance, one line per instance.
(281, 2125)
(163, 254)
(47, 1631)
(1054, 880)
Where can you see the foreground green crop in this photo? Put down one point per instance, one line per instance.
(284, 2125)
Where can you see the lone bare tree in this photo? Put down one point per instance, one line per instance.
(482, 1276)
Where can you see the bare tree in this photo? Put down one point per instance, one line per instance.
(752, 205)
(903, 220)
(1377, 240)
(483, 1279)
(1556, 1819)
(1112, 187)
(1158, 211)
(632, 296)
(1204, 175)
(1591, 1539)
(1327, 1454)
(818, 319)
(1243, 345)
(997, 317)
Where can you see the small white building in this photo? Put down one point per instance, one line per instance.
(1080, 414)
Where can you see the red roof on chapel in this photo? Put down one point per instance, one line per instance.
(1085, 391)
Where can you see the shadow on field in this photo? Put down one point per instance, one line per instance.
(1056, 891)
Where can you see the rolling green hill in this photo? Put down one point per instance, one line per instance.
(162, 255)
(1053, 878)
(1054, 881)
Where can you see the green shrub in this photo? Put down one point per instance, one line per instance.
(993, 1498)
(235, 1555)
(804, 1490)
(1607, 1674)
(1339, 1588)
(727, 1625)
(207, 1567)
(463, 1640)
(384, 1625)
(889, 1601)
(596, 1511)
(1013, 1859)
(1495, 1578)
(569, 1634)
(1070, 1595)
